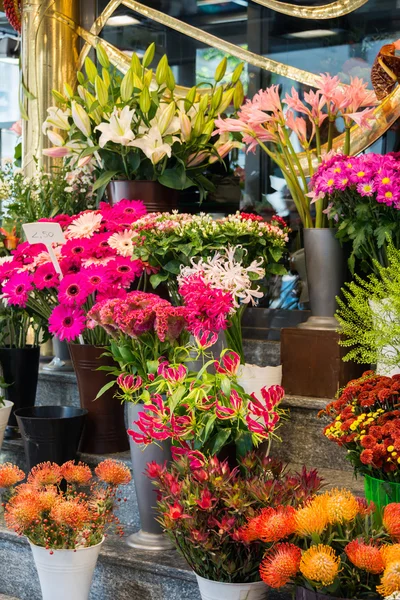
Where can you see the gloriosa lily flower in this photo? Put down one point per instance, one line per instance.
(229, 364)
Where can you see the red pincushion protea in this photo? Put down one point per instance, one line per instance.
(391, 520)
(13, 11)
(281, 565)
(365, 556)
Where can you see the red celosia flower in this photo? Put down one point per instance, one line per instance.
(391, 520)
(79, 474)
(365, 556)
(10, 475)
(44, 474)
(280, 565)
(113, 472)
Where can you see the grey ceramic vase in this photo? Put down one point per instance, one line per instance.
(150, 536)
(62, 359)
(326, 273)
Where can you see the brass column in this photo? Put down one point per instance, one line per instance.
(49, 57)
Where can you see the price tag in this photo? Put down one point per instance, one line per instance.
(47, 234)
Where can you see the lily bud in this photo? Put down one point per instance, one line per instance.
(91, 70)
(81, 92)
(149, 55)
(126, 88)
(102, 56)
(80, 77)
(190, 98)
(147, 79)
(203, 103)
(145, 100)
(186, 126)
(238, 95)
(226, 100)
(135, 64)
(216, 100)
(59, 97)
(68, 91)
(137, 82)
(166, 118)
(101, 91)
(237, 73)
(55, 138)
(198, 124)
(170, 81)
(162, 69)
(221, 69)
(106, 77)
(208, 130)
(81, 118)
(197, 159)
(222, 152)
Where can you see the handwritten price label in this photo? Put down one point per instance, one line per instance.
(47, 234)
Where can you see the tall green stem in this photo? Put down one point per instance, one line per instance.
(347, 142)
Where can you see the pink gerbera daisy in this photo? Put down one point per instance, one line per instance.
(66, 323)
(76, 248)
(17, 289)
(124, 270)
(73, 290)
(46, 277)
(85, 225)
(70, 266)
(96, 278)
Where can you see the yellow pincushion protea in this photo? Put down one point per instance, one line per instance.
(320, 564)
(390, 581)
(312, 518)
(341, 506)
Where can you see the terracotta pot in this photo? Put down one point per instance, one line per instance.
(155, 196)
(104, 431)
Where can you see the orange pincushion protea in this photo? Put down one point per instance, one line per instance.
(312, 518)
(79, 474)
(21, 512)
(113, 473)
(10, 475)
(47, 498)
(390, 581)
(281, 565)
(341, 506)
(365, 556)
(390, 553)
(320, 564)
(391, 520)
(44, 474)
(274, 524)
(72, 513)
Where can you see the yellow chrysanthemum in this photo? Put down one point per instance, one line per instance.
(312, 518)
(320, 564)
(341, 506)
(390, 581)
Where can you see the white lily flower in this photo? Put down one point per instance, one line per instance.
(118, 130)
(153, 146)
(57, 118)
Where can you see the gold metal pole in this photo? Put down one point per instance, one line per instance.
(49, 58)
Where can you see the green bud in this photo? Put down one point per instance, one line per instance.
(126, 89)
(216, 101)
(237, 72)
(226, 100)
(221, 70)
(166, 118)
(102, 56)
(170, 80)
(137, 82)
(161, 71)
(101, 91)
(59, 97)
(208, 130)
(238, 95)
(91, 70)
(106, 77)
(198, 124)
(135, 64)
(68, 91)
(147, 79)
(145, 100)
(204, 102)
(190, 98)
(80, 77)
(149, 55)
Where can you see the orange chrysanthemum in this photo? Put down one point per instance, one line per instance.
(281, 565)
(390, 553)
(365, 556)
(113, 472)
(10, 475)
(341, 506)
(275, 524)
(320, 564)
(312, 518)
(391, 520)
(71, 513)
(79, 474)
(44, 474)
(390, 581)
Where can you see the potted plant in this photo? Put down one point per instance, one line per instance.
(140, 135)
(333, 546)
(366, 421)
(144, 330)
(95, 263)
(263, 122)
(204, 506)
(64, 526)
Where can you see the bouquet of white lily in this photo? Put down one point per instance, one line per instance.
(138, 127)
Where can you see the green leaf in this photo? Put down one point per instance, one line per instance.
(156, 279)
(89, 151)
(244, 444)
(126, 354)
(29, 94)
(225, 385)
(219, 441)
(276, 253)
(173, 266)
(105, 388)
(133, 160)
(176, 397)
(104, 179)
(24, 114)
(173, 178)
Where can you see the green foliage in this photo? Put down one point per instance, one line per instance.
(369, 314)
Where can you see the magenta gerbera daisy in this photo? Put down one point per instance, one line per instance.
(17, 289)
(124, 270)
(73, 290)
(66, 323)
(46, 277)
(96, 278)
(78, 248)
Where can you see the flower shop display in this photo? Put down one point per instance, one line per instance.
(361, 194)
(144, 330)
(64, 525)
(204, 506)
(332, 546)
(369, 316)
(263, 122)
(366, 421)
(137, 132)
(50, 433)
(95, 263)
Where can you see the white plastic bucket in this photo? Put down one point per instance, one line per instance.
(253, 378)
(4, 416)
(214, 590)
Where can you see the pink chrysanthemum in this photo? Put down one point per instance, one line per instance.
(17, 289)
(66, 323)
(46, 277)
(73, 290)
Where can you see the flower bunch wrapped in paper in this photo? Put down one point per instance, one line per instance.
(95, 261)
(334, 545)
(204, 505)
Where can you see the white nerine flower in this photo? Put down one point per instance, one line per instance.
(84, 226)
(122, 242)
